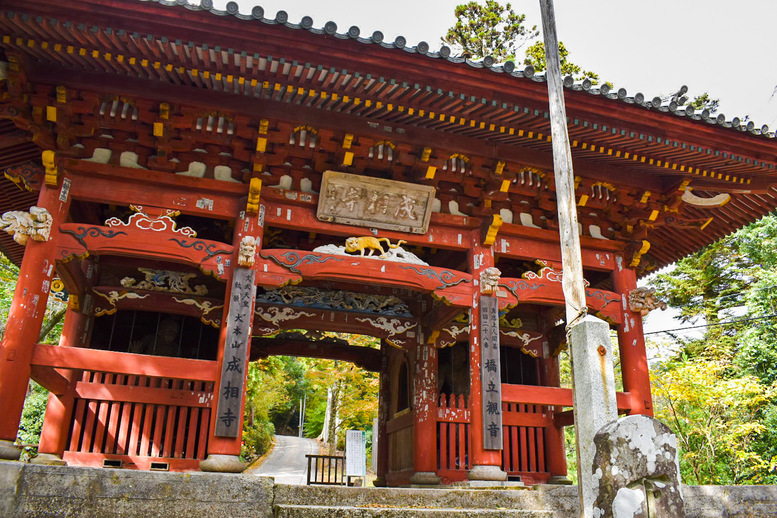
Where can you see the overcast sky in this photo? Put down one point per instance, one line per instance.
(723, 47)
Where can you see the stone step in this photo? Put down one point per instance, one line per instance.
(328, 511)
(562, 500)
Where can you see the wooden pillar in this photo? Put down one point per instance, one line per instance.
(26, 315)
(425, 411)
(226, 424)
(555, 452)
(384, 402)
(485, 464)
(631, 342)
(59, 409)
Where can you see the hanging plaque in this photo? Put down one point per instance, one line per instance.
(352, 199)
(490, 373)
(234, 364)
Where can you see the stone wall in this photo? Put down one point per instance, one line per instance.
(36, 491)
(28, 490)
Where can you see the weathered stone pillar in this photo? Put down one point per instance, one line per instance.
(485, 463)
(226, 427)
(425, 411)
(631, 340)
(29, 305)
(59, 408)
(593, 397)
(637, 469)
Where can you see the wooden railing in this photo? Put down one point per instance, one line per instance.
(326, 470)
(136, 419)
(453, 427)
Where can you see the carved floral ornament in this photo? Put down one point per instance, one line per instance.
(162, 223)
(35, 224)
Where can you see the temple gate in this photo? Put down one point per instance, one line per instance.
(199, 181)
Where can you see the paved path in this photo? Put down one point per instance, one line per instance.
(287, 462)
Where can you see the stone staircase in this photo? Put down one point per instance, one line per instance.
(337, 502)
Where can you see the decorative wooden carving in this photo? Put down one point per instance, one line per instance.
(51, 177)
(143, 221)
(247, 252)
(254, 193)
(489, 229)
(489, 280)
(165, 280)
(644, 300)
(375, 202)
(35, 224)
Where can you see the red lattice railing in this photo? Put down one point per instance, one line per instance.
(139, 419)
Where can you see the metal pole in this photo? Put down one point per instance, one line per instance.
(588, 337)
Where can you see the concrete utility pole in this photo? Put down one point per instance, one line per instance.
(588, 337)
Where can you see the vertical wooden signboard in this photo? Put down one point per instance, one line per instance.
(233, 368)
(490, 372)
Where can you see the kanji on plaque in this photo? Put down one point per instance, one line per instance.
(233, 366)
(490, 373)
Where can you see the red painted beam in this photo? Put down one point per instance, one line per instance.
(50, 379)
(123, 363)
(97, 183)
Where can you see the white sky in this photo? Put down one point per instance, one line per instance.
(723, 47)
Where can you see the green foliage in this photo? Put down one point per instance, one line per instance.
(491, 30)
(705, 102)
(717, 416)
(276, 385)
(32, 418)
(719, 393)
(497, 31)
(263, 388)
(535, 56)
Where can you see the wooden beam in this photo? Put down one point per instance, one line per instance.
(123, 363)
(132, 394)
(364, 357)
(50, 379)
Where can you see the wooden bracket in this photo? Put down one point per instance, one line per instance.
(49, 159)
(254, 193)
(489, 229)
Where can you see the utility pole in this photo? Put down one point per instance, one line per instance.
(303, 403)
(588, 337)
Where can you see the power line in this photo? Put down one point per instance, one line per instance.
(740, 320)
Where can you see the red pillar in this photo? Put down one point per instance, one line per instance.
(384, 401)
(555, 453)
(26, 316)
(223, 452)
(59, 409)
(425, 411)
(631, 340)
(484, 464)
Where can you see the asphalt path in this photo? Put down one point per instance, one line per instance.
(286, 462)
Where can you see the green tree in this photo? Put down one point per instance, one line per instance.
(489, 30)
(535, 56)
(718, 394)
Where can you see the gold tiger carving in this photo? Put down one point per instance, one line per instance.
(370, 244)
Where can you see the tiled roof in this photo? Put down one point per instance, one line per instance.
(509, 68)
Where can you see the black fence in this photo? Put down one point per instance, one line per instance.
(326, 470)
